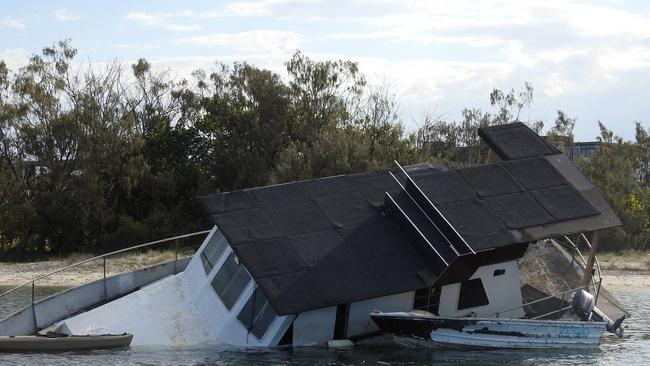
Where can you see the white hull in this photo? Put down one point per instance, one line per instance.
(491, 333)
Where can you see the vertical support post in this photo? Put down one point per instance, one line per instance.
(600, 282)
(105, 284)
(176, 256)
(34, 307)
(586, 277)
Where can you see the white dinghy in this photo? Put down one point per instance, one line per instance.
(43, 343)
(491, 333)
(581, 327)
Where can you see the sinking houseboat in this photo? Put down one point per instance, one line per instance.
(307, 262)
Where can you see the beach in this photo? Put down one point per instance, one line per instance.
(14, 274)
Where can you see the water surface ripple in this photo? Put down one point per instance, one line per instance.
(634, 348)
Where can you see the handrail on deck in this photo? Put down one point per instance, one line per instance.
(104, 256)
(595, 257)
(598, 271)
(540, 300)
(574, 245)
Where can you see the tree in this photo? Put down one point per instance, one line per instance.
(244, 126)
(615, 171)
(338, 124)
(72, 125)
(457, 144)
(323, 94)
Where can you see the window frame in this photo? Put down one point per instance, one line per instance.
(220, 244)
(238, 276)
(260, 311)
(472, 302)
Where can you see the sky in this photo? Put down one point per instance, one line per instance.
(590, 59)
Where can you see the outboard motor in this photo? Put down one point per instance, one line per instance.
(584, 305)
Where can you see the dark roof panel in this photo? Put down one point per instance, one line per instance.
(534, 173)
(445, 187)
(336, 240)
(472, 217)
(277, 195)
(245, 225)
(297, 217)
(322, 249)
(519, 210)
(374, 188)
(564, 203)
(270, 257)
(379, 236)
(334, 186)
(490, 180)
(349, 209)
(483, 241)
(515, 141)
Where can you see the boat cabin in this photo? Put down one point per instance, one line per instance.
(306, 262)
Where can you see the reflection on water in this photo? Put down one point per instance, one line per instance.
(634, 348)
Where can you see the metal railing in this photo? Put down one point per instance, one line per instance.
(555, 296)
(103, 257)
(594, 282)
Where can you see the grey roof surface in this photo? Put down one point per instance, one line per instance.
(324, 242)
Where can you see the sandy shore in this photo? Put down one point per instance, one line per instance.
(626, 280)
(14, 274)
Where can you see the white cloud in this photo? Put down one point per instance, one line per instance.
(13, 23)
(256, 8)
(66, 15)
(14, 57)
(162, 20)
(439, 54)
(252, 42)
(137, 46)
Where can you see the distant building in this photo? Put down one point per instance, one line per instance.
(583, 150)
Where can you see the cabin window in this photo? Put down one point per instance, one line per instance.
(472, 294)
(213, 251)
(230, 281)
(427, 299)
(499, 272)
(257, 314)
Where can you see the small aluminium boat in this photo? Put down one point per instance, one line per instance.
(40, 343)
(581, 327)
(491, 333)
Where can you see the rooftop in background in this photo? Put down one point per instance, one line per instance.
(583, 150)
(329, 241)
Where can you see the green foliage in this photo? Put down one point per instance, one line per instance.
(92, 160)
(97, 159)
(620, 171)
(458, 144)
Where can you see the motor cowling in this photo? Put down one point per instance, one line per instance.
(584, 305)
